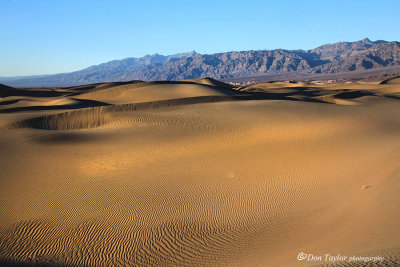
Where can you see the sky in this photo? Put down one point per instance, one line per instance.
(54, 36)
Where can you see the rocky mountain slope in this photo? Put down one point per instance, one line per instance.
(331, 58)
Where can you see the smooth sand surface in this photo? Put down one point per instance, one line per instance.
(304, 168)
(144, 92)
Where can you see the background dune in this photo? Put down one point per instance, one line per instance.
(201, 174)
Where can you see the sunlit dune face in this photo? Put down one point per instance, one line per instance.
(218, 182)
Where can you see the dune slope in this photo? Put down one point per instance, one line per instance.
(250, 182)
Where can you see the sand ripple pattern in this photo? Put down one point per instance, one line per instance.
(201, 181)
(95, 244)
(98, 116)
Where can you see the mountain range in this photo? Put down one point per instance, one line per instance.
(342, 57)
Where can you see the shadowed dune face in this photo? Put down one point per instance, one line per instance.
(342, 94)
(393, 81)
(202, 176)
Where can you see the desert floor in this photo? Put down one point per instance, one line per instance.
(196, 173)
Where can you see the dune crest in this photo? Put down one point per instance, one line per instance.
(199, 173)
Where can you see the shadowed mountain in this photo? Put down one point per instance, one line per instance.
(343, 57)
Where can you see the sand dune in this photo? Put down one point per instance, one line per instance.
(194, 173)
(153, 91)
(392, 81)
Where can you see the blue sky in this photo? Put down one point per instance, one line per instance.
(52, 36)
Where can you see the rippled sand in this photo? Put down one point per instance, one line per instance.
(214, 177)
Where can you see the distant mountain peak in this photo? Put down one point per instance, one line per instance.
(330, 58)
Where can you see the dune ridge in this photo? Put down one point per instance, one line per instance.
(202, 176)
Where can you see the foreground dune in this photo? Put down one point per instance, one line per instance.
(216, 177)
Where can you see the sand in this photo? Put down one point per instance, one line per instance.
(90, 179)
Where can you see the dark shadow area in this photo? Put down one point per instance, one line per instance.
(66, 138)
(10, 102)
(309, 94)
(290, 96)
(352, 94)
(83, 103)
(36, 92)
(389, 80)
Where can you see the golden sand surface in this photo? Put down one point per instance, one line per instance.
(200, 175)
